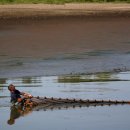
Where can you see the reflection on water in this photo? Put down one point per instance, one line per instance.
(1, 88)
(38, 81)
(30, 80)
(17, 112)
(24, 82)
(76, 87)
(2, 81)
(95, 86)
(79, 119)
(99, 77)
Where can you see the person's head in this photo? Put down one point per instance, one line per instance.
(11, 87)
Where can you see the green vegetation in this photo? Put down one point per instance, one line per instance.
(99, 77)
(57, 1)
(2, 82)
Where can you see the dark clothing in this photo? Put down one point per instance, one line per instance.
(15, 95)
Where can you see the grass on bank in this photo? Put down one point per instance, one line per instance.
(57, 1)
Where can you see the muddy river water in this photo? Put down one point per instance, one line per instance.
(56, 46)
(62, 58)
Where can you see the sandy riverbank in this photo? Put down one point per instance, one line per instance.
(42, 10)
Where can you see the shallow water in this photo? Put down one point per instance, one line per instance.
(85, 118)
(99, 117)
(56, 46)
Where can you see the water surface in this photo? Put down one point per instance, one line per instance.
(99, 117)
(56, 46)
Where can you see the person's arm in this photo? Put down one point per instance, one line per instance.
(22, 93)
(26, 95)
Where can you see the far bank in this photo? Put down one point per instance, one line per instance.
(36, 11)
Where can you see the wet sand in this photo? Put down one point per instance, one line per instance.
(58, 44)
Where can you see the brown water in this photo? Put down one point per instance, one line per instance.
(50, 37)
(36, 54)
(58, 46)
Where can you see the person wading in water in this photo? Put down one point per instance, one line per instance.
(17, 96)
